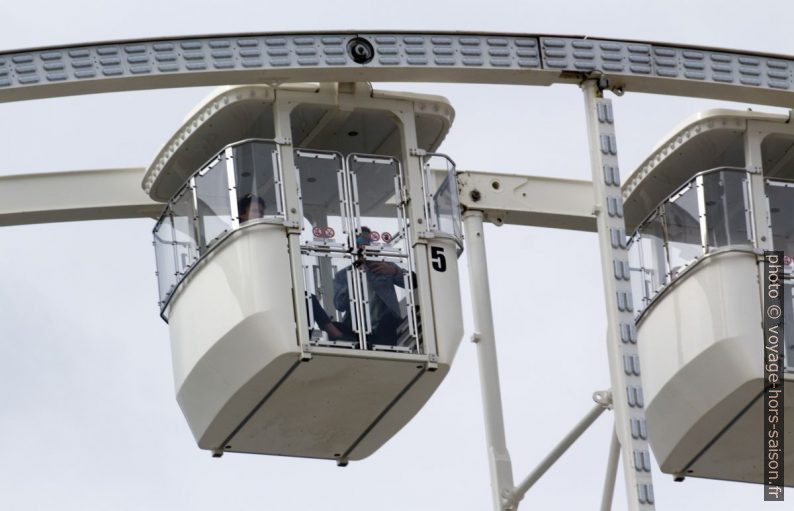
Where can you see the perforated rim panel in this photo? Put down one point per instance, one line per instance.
(424, 57)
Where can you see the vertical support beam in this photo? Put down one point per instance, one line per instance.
(759, 203)
(231, 181)
(292, 208)
(621, 337)
(498, 458)
(415, 211)
(612, 472)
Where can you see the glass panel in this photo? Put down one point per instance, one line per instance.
(635, 271)
(378, 216)
(781, 212)
(212, 197)
(164, 256)
(389, 316)
(442, 195)
(331, 308)
(184, 231)
(354, 303)
(682, 220)
(727, 209)
(321, 183)
(652, 252)
(257, 180)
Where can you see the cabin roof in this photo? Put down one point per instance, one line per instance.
(233, 113)
(707, 140)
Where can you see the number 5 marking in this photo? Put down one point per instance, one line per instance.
(439, 260)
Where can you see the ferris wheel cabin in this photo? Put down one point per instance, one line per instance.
(307, 266)
(700, 211)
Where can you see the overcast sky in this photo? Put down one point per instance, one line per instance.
(88, 417)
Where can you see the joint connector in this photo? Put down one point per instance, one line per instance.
(510, 500)
(602, 83)
(432, 362)
(603, 398)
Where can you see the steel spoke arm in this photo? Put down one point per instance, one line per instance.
(519, 491)
(612, 472)
(536, 201)
(75, 196)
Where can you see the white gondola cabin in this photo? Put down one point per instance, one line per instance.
(307, 266)
(702, 209)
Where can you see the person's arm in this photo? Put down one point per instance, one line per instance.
(320, 316)
(397, 278)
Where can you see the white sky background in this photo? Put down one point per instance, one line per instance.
(88, 418)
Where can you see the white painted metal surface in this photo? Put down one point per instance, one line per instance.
(537, 201)
(251, 377)
(74, 196)
(520, 59)
(484, 337)
(233, 113)
(230, 327)
(701, 337)
(709, 139)
(703, 365)
(526, 59)
(626, 387)
(521, 489)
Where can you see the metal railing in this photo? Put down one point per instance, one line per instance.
(205, 210)
(712, 213)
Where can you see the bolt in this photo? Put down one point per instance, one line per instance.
(475, 195)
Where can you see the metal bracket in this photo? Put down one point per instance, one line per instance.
(603, 398)
(424, 236)
(432, 364)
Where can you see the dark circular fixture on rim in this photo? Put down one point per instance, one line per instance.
(360, 50)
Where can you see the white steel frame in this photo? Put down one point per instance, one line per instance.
(526, 59)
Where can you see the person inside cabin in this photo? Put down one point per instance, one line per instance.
(334, 329)
(250, 207)
(384, 305)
